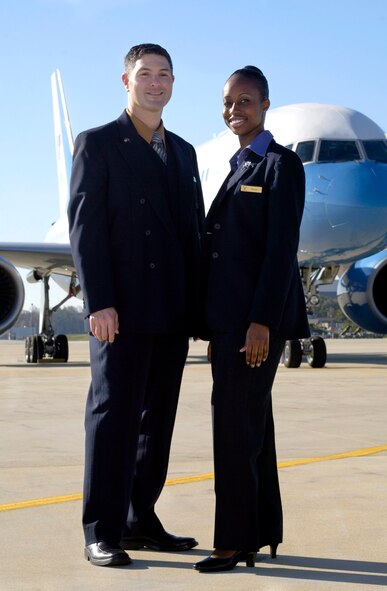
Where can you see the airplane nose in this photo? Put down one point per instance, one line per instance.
(345, 213)
(356, 195)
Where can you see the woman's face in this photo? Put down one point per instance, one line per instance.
(243, 108)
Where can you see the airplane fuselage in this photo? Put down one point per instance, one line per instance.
(345, 215)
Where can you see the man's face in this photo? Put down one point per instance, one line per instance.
(149, 84)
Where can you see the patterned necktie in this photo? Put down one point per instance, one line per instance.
(158, 146)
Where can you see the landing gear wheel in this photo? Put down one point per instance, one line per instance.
(317, 352)
(61, 347)
(292, 355)
(40, 347)
(27, 349)
(36, 349)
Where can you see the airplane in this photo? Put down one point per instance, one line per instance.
(343, 232)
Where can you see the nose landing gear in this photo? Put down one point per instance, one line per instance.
(314, 349)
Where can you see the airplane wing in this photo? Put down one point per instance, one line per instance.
(45, 258)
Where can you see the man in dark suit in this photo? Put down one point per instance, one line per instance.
(135, 214)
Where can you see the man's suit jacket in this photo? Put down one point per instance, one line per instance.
(251, 247)
(128, 250)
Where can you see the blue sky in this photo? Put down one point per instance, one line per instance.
(330, 52)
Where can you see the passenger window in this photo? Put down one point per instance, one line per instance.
(305, 151)
(338, 151)
(376, 150)
(289, 146)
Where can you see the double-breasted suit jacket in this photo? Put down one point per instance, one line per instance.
(135, 232)
(251, 247)
(132, 250)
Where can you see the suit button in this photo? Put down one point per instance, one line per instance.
(215, 255)
(216, 226)
(152, 266)
(147, 232)
(142, 201)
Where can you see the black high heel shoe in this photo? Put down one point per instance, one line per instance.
(211, 565)
(273, 551)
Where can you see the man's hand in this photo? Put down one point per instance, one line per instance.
(104, 324)
(256, 344)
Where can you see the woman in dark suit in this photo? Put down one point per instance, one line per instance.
(254, 301)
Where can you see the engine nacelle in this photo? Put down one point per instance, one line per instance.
(11, 295)
(362, 293)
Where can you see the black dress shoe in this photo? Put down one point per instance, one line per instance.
(162, 541)
(212, 564)
(102, 554)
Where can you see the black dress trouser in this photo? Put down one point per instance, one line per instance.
(248, 511)
(130, 415)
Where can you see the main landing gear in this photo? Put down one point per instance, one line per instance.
(46, 346)
(314, 350)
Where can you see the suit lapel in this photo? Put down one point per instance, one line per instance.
(245, 169)
(185, 174)
(249, 167)
(219, 197)
(136, 155)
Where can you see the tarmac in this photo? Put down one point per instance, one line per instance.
(332, 454)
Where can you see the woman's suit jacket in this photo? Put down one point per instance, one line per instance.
(251, 247)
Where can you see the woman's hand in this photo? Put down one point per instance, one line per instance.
(256, 344)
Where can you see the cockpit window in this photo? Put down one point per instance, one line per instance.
(338, 151)
(305, 151)
(376, 150)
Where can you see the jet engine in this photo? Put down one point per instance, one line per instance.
(11, 295)
(362, 293)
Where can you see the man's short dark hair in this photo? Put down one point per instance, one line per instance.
(254, 73)
(137, 51)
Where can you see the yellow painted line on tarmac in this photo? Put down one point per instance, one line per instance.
(368, 451)
(357, 453)
(189, 479)
(40, 502)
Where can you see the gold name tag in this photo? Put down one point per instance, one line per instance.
(251, 189)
